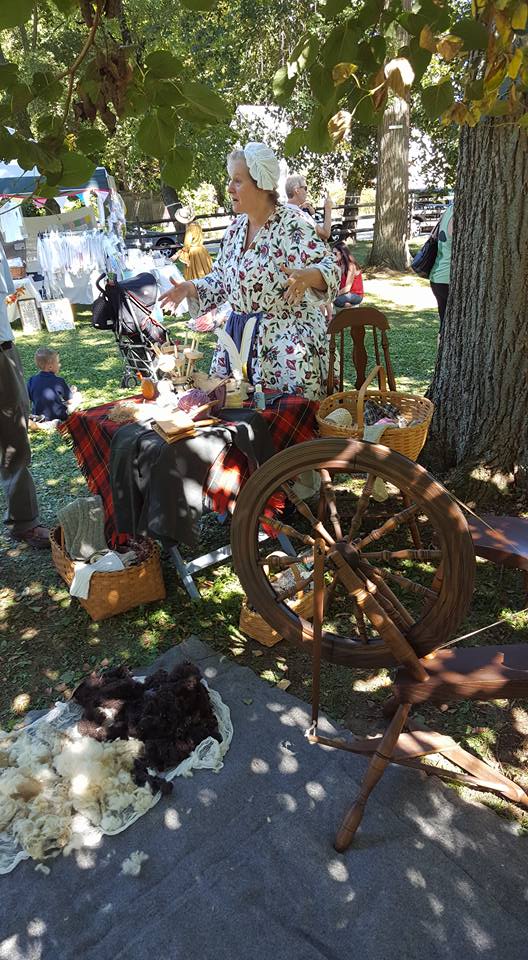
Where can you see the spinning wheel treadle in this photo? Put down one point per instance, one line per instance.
(398, 603)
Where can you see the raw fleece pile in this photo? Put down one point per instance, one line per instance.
(171, 713)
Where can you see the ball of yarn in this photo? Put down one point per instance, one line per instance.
(193, 398)
(341, 417)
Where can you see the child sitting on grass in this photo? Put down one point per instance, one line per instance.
(52, 400)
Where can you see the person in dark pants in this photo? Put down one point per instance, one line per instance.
(17, 483)
(440, 274)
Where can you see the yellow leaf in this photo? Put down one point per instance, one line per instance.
(503, 25)
(400, 75)
(427, 40)
(520, 16)
(514, 64)
(449, 47)
(339, 125)
(342, 72)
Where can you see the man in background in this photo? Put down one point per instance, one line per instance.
(21, 514)
(297, 193)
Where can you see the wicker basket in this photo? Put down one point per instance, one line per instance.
(405, 440)
(253, 625)
(17, 273)
(113, 593)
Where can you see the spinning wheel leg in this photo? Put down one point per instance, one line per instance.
(375, 771)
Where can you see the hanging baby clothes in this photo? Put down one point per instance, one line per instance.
(72, 261)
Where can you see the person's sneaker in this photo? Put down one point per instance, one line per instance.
(38, 537)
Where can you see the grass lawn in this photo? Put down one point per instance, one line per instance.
(47, 642)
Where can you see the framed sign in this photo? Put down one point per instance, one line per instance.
(58, 314)
(29, 315)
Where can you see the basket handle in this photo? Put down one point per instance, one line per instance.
(362, 391)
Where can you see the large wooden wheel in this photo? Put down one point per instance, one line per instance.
(385, 594)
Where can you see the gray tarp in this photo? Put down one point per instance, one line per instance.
(242, 864)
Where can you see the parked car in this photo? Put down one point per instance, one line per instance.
(426, 213)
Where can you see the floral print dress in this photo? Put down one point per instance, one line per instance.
(291, 345)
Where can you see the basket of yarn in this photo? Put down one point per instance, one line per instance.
(296, 583)
(343, 415)
(121, 590)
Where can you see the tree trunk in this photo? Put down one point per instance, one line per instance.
(172, 202)
(480, 427)
(389, 246)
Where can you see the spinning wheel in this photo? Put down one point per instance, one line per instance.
(378, 599)
(392, 602)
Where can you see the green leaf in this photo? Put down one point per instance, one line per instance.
(436, 14)
(322, 83)
(412, 23)
(14, 12)
(294, 141)
(76, 169)
(303, 55)
(46, 87)
(317, 138)
(341, 45)
(20, 95)
(475, 90)
(500, 108)
(283, 86)
(178, 167)
(166, 93)
(199, 4)
(162, 64)
(365, 112)
(438, 98)
(523, 121)
(204, 100)
(8, 75)
(90, 140)
(156, 132)
(65, 6)
(333, 7)
(370, 13)
(417, 57)
(473, 34)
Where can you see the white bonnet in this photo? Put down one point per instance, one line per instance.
(262, 165)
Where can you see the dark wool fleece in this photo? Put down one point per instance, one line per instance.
(171, 713)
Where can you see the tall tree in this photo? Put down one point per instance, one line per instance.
(390, 242)
(481, 374)
(480, 430)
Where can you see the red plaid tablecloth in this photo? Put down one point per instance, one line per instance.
(291, 420)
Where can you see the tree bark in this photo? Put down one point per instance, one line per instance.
(480, 427)
(389, 245)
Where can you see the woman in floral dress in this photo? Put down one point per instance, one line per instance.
(271, 265)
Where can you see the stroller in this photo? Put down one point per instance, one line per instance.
(125, 308)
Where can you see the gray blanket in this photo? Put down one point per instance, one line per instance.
(157, 488)
(241, 863)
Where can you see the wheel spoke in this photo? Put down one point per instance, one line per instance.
(420, 556)
(278, 564)
(388, 527)
(278, 527)
(330, 497)
(305, 511)
(388, 600)
(406, 583)
(361, 622)
(362, 505)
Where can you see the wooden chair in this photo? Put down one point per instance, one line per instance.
(477, 673)
(357, 320)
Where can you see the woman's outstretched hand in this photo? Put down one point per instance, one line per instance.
(180, 290)
(298, 282)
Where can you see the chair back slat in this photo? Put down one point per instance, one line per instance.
(357, 320)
